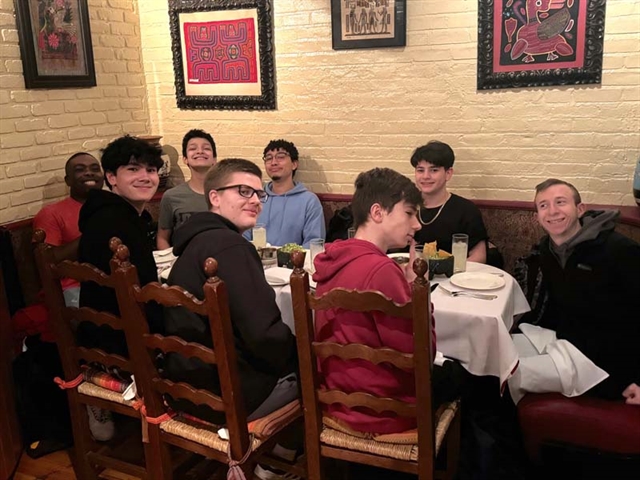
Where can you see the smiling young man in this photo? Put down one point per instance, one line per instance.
(445, 213)
(178, 203)
(266, 347)
(385, 206)
(293, 213)
(60, 220)
(591, 274)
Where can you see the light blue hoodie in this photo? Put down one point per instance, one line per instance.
(294, 217)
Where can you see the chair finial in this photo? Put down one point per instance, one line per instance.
(297, 256)
(39, 236)
(210, 268)
(420, 267)
(122, 253)
(114, 243)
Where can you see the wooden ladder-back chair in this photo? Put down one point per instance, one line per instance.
(89, 455)
(405, 452)
(247, 442)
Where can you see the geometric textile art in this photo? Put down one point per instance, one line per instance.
(221, 52)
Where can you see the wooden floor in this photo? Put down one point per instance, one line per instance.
(57, 466)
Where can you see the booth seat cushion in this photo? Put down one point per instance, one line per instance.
(592, 423)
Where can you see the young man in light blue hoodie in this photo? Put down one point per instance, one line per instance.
(292, 214)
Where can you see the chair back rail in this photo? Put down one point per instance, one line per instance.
(215, 307)
(310, 350)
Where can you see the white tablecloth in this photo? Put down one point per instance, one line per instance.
(473, 331)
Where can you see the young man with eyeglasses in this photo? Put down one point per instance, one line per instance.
(178, 203)
(266, 347)
(293, 213)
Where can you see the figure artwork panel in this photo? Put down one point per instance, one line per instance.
(539, 42)
(55, 43)
(368, 23)
(223, 54)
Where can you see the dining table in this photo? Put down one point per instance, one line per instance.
(474, 331)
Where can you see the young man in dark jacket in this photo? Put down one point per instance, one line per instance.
(592, 275)
(130, 167)
(266, 347)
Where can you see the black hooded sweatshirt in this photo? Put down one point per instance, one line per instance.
(265, 346)
(105, 215)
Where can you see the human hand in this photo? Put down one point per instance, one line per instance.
(409, 274)
(632, 394)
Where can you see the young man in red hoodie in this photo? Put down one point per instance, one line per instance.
(385, 206)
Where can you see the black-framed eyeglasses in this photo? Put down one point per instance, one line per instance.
(280, 156)
(247, 192)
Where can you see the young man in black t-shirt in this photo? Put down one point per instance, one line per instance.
(445, 213)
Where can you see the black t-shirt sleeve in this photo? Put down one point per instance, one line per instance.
(473, 225)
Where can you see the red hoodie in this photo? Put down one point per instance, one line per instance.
(360, 265)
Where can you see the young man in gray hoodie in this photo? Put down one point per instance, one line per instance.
(591, 274)
(293, 214)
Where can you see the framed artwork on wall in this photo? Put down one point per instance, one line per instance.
(531, 43)
(55, 43)
(223, 56)
(368, 23)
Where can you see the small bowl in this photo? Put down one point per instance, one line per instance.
(440, 266)
(285, 260)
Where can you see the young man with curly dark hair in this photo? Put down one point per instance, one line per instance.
(293, 214)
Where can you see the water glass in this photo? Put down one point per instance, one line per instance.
(459, 250)
(260, 235)
(351, 232)
(316, 246)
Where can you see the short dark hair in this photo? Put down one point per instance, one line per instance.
(197, 133)
(436, 153)
(219, 174)
(550, 182)
(129, 150)
(75, 155)
(288, 147)
(384, 186)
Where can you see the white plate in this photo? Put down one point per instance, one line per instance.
(277, 276)
(477, 281)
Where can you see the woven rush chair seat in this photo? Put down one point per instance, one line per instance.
(207, 434)
(402, 446)
(92, 390)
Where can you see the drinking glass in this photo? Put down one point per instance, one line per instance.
(351, 232)
(419, 251)
(260, 235)
(316, 246)
(459, 250)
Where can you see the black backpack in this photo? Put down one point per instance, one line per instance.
(340, 224)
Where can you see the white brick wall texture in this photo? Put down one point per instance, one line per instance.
(347, 111)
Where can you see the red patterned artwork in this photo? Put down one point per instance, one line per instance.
(221, 52)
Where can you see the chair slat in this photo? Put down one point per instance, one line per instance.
(359, 351)
(82, 272)
(187, 392)
(359, 302)
(90, 355)
(86, 314)
(169, 297)
(360, 399)
(178, 345)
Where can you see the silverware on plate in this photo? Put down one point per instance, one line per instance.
(464, 293)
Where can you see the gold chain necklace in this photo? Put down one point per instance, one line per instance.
(437, 214)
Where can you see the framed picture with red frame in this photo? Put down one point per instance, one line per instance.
(55, 43)
(223, 56)
(532, 43)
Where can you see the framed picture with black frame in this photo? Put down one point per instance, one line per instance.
(223, 55)
(55, 43)
(530, 43)
(368, 23)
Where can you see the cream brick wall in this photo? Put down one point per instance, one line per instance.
(40, 129)
(348, 111)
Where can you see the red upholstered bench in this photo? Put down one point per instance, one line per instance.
(590, 423)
